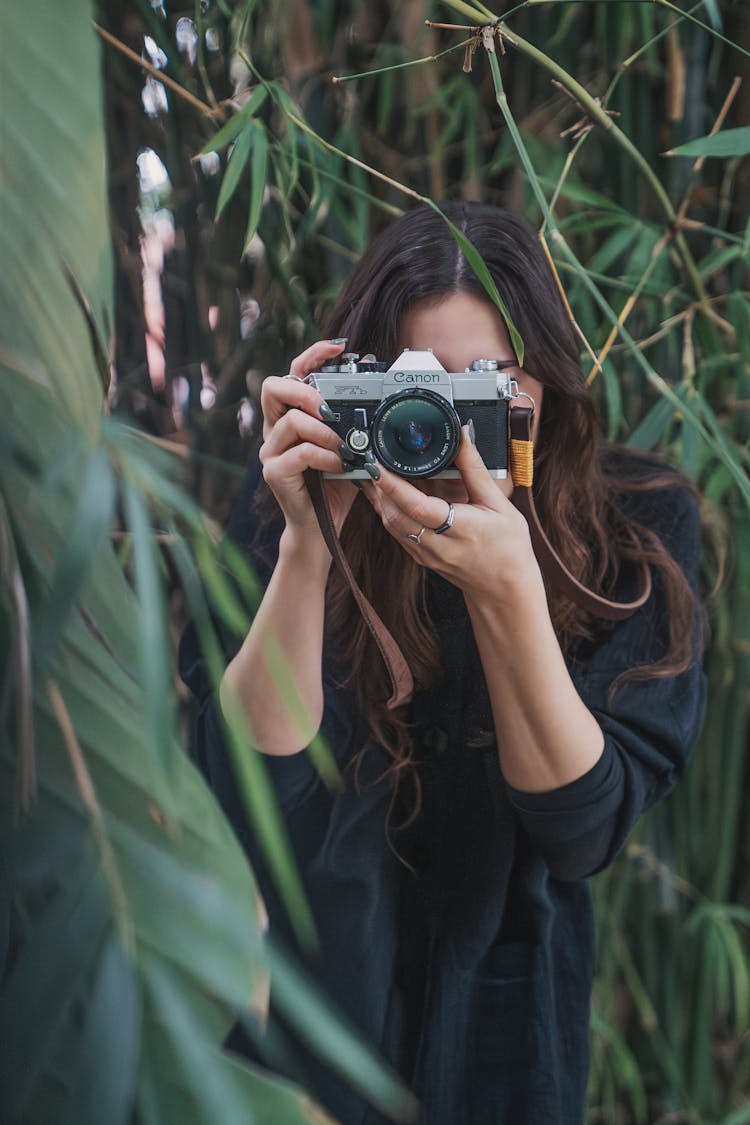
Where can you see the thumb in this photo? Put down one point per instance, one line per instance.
(480, 486)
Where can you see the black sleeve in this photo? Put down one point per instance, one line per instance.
(650, 726)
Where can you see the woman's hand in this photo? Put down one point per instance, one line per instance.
(487, 551)
(296, 438)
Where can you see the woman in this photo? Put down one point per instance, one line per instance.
(448, 876)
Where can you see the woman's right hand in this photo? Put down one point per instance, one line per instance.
(296, 438)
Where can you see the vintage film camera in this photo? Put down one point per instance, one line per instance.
(410, 415)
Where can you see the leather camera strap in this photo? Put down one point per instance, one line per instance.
(399, 672)
(556, 574)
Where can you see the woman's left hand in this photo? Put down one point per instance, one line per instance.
(486, 552)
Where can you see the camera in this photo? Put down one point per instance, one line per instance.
(409, 415)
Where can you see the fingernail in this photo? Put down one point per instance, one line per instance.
(471, 431)
(370, 457)
(339, 340)
(326, 413)
(373, 470)
(345, 452)
(346, 466)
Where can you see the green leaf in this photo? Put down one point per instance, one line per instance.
(580, 193)
(235, 166)
(650, 429)
(475, 260)
(186, 1080)
(262, 808)
(255, 790)
(614, 247)
(155, 649)
(46, 978)
(111, 1044)
(223, 597)
(728, 142)
(713, 13)
(259, 167)
(237, 123)
(737, 1117)
(613, 395)
(94, 505)
(328, 1034)
(54, 168)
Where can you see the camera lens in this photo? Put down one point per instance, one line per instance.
(416, 433)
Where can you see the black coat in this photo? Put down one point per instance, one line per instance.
(463, 947)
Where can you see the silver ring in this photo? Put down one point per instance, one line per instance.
(448, 523)
(416, 536)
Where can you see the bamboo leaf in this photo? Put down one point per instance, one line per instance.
(728, 142)
(112, 1043)
(90, 526)
(256, 793)
(652, 427)
(187, 1080)
(238, 158)
(155, 650)
(54, 145)
(738, 1117)
(613, 395)
(713, 13)
(334, 1041)
(474, 258)
(259, 166)
(236, 123)
(46, 979)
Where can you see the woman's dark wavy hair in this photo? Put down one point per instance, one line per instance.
(579, 481)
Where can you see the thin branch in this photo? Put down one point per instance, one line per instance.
(337, 79)
(157, 74)
(579, 331)
(353, 160)
(705, 26)
(625, 313)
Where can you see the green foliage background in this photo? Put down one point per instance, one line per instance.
(133, 933)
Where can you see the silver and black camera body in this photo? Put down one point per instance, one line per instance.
(410, 415)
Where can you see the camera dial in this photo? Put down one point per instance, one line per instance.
(358, 438)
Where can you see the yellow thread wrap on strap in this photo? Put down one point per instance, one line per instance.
(522, 462)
